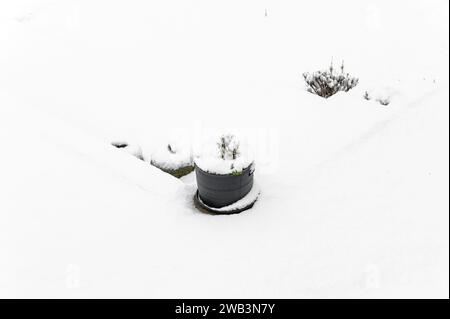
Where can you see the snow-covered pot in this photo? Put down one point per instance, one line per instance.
(216, 190)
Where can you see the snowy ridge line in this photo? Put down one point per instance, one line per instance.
(372, 132)
(378, 127)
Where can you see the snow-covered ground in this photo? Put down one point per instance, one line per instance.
(354, 195)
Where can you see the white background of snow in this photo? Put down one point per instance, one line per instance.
(354, 196)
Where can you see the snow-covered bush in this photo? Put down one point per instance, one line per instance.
(173, 159)
(228, 147)
(327, 82)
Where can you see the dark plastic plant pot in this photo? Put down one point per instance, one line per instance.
(222, 190)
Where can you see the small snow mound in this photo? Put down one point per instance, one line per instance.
(130, 148)
(172, 157)
(382, 95)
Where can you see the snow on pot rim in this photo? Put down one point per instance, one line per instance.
(219, 166)
(239, 206)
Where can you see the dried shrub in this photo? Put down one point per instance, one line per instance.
(383, 100)
(327, 82)
(228, 147)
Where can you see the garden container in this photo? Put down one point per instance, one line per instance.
(217, 190)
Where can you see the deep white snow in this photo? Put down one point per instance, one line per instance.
(130, 148)
(175, 158)
(354, 194)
